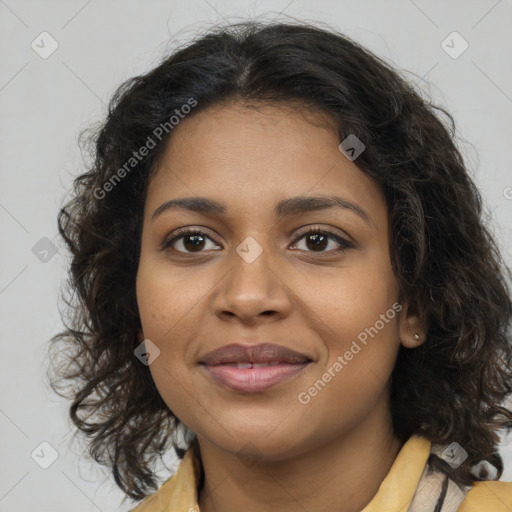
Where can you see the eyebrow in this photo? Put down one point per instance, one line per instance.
(284, 208)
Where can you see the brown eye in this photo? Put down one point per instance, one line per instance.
(317, 240)
(193, 242)
(188, 241)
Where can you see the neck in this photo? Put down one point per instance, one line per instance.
(342, 475)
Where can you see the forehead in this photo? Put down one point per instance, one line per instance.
(253, 156)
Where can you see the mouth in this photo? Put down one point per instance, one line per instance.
(249, 364)
(253, 368)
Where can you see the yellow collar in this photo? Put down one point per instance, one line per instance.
(179, 493)
(397, 489)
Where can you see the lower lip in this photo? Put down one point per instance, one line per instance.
(252, 380)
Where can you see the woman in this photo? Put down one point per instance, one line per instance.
(278, 248)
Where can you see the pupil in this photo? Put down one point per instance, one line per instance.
(318, 243)
(194, 245)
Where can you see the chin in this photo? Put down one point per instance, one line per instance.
(254, 443)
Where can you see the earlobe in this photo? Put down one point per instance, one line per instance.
(412, 332)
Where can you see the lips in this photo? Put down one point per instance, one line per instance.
(251, 365)
(253, 368)
(264, 353)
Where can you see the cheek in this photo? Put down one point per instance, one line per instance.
(351, 299)
(170, 308)
(358, 322)
(163, 303)
(358, 315)
(166, 299)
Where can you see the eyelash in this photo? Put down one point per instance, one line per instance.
(181, 233)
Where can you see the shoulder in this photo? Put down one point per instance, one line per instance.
(488, 496)
(179, 492)
(158, 502)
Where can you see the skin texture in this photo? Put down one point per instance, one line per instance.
(266, 450)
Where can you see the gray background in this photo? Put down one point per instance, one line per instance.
(45, 102)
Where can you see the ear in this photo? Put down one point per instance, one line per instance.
(140, 336)
(412, 332)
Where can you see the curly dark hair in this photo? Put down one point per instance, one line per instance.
(451, 388)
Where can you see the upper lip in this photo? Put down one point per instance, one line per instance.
(261, 353)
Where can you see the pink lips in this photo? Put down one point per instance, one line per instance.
(253, 368)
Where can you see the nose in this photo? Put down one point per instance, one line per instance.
(252, 292)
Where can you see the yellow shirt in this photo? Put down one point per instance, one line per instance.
(397, 492)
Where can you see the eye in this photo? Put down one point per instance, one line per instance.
(188, 241)
(317, 240)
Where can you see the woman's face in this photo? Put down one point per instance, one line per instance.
(253, 275)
